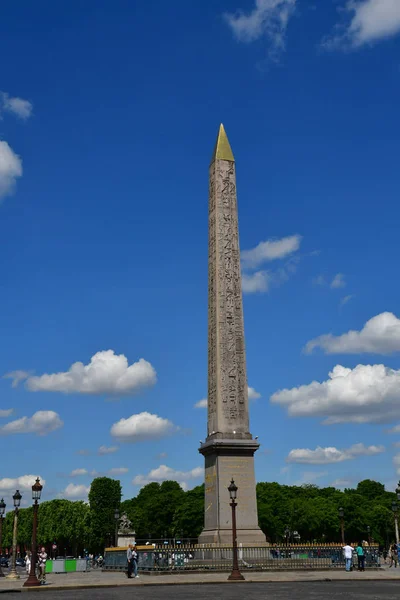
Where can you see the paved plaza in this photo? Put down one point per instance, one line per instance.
(329, 590)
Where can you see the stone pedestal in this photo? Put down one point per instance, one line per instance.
(224, 460)
(124, 539)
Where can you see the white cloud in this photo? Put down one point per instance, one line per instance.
(107, 373)
(371, 21)
(310, 477)
(270, 250)
(83, 452)
(164, 473)
(107, 450)
(324, 456)
(395, 429)
(17, 377)
(74, 491)
(25, 482)
(78, 472)
(269, 19)
(396, 462)
(252, 394)
(17, 106)
(141, 427)
(338, 281)
(10, 169)
(201, 403)
(118, 471)
(341, 483)
(346, 299)
(41, 422)
(365, 394)
(255, 282)
(6, 412)
(380, 335)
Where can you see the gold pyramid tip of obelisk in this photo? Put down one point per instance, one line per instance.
(222, 150)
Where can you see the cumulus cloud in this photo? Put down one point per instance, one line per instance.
(268, 19)
(164, 473)
(258, 281)
(17, 106)
(107, 450)
(346, 299)
(107, 373)
(41, 422)
(252, 394)
(324, 456)
(380, 335)
(338, 281)
(118, 471)
(78, 472)
(370, 21)
(396, 462)
(10, 169)
(341, 483)
(6, 412)
(365, 394)
(270, 250)
(142, 427)
(75, 491)
(17, 377)
(252, 283)
(24, 482)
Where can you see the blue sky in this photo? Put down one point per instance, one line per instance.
(109, 113)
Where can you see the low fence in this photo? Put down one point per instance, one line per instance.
(260, 558)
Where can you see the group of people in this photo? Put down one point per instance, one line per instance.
(132, 557)
(41, 564)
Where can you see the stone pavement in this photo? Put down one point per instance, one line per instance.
(97, 579)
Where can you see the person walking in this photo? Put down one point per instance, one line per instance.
(135, 559)
(42, 558)
(28, 562)
(393, 555)
(129, 558)
(348, 556)
(360, 557)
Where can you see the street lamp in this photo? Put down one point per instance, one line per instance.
(32, 580)
(396, 524)
(236, 574)
(369, 535)
(13, 571)
(2, 511)
(341, 517)
(116, 517)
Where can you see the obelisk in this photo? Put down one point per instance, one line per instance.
(229, 447)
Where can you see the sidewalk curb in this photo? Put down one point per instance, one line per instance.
(87, 586)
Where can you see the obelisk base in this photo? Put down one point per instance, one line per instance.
(226, 459)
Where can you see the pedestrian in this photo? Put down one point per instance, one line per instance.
(129, 558)
(393, 555)
(135, 560)
(348, 556)
(384, 554)
(360, 557)
(42, 558)
(28, 562)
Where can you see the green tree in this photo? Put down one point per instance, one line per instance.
(104, 498)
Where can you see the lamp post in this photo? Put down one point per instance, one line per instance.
(396, 523)
(369, 535)
(32, 580)
(2, 510)
(116, 517)
(341, 517)
(235, 574)
(13, 571)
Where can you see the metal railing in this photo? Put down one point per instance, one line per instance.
(210, 558)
